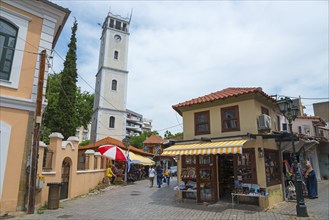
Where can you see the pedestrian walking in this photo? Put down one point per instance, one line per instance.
(167, 176)
(151, 175)
(311, 182)
(159, 172)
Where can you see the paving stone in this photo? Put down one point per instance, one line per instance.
(139, 201)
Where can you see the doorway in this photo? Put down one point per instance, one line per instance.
(65, 179)
(226, 175)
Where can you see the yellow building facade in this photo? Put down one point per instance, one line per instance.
(221, 131)
(27, 28)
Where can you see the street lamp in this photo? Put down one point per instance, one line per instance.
(290, 112)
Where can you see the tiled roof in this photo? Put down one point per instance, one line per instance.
(220, 95)
(139, 151)
(153, 139)
(107, 140)
(318, 121)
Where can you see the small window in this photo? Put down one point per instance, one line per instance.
(8, 36)
(299, 129)
(124, 28)
(265, 111)
(111, 23)
(202, 122)
(230, 119)
(284, 127)
(118, 25)
(114, 85)
(116, 55)
(112, 121)
(278, 122)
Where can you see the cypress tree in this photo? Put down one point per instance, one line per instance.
(67, 96)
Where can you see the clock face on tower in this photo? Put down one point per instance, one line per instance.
(117, 38)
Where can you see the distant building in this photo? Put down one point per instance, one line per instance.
(147, 124)
(313, 142)
(153, 144)
(136, 124)
(83, 133)
(321, 109)
(133, 123)
(298, 104)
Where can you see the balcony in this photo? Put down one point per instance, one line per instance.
(134, 128)
(132, 118)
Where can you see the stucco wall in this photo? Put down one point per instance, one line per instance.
(17, 121)
(29, 61)
(249, 110)
(80, 182)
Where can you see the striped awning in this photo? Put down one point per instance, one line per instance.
(218, 147)
(139, 159)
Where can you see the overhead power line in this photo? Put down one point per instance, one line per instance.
(292, 97)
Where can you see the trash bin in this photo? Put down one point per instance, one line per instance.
(54, 195)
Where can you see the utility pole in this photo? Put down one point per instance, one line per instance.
(36, 132)
(126, 142)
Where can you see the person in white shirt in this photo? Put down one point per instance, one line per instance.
(151, 175)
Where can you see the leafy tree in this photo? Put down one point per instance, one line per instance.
(84, 103)
(68, 107)
(84, 143)
(137, 141)
(67, 101)
(51, 117)
(169, 135)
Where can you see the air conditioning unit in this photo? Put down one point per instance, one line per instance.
(264, 122)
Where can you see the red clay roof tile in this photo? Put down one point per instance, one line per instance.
(153, 139)
(109, 140)
(222, 94)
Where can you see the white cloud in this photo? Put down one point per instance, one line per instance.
(182, 50)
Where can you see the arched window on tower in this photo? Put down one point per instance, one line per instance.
(112, 121)
(116, 55)
(114, 85)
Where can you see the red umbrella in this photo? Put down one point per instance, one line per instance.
(113, 152)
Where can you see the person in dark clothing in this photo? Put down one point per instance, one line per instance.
(311, 182)
(159, 172)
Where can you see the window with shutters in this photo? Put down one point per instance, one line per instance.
(202, 122)
(8, 36)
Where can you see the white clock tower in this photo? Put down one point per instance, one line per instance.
(109, 112)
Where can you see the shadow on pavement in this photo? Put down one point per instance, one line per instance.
(167, 196)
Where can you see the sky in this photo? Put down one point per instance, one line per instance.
(180, 50)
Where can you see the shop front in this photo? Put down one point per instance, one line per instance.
(213, 171)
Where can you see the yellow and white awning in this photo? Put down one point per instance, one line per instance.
(141, 159)
(218, 147)
(138, 159)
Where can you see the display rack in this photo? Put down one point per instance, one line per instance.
(188, 176)
(206, 173)
(246, 166)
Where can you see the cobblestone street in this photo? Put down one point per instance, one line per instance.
(139, 201)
